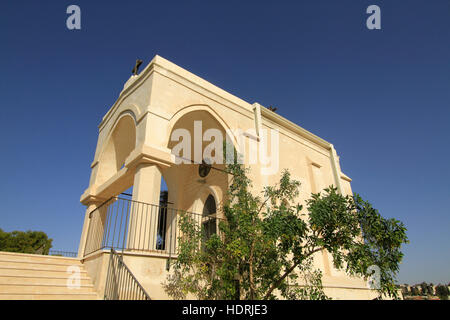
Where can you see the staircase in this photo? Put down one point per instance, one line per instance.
(38, 277)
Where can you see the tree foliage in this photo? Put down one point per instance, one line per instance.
(265, 245)
(442, 292)
(25, 242)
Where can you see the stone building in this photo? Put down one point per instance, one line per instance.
(135, 149)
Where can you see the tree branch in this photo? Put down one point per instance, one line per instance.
(287, 272)
(252, 283)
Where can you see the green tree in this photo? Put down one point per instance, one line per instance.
(25, 242)
(405, 291)
(442, 292)
(265, 246)
(424, 288)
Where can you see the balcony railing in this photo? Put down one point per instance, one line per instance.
(133, 226)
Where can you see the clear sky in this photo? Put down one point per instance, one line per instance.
(382, 97)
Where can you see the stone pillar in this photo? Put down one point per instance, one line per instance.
(147, 183)
(143, 222)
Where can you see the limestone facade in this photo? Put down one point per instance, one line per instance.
(134, 149)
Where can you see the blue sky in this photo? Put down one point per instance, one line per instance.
(382, 97)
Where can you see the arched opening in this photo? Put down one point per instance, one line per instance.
(209, 225)
(120, 144)
(196, 140)
(194, 136)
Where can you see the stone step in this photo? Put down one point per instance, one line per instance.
(72, 296)
(37, 277)
(35, 257)
(44, 289)
(38, 266)
(40, 261)
(33, 272)
(39, 280)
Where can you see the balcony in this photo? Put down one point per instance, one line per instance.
(136, 227)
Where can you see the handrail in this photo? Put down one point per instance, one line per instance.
(100, 206)
(121, 284)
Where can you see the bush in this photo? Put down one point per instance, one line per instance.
(35, 242)
(442, 292)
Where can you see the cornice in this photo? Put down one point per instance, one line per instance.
(151, 155)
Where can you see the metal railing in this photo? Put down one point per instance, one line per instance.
(128, 225)
(121, 284)
(69, 254)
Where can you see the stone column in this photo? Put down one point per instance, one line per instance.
(147, 183)
(143, 222)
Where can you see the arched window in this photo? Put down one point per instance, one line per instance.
(209, 217)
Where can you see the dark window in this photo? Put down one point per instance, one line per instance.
(208, 217)
(162, 221)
